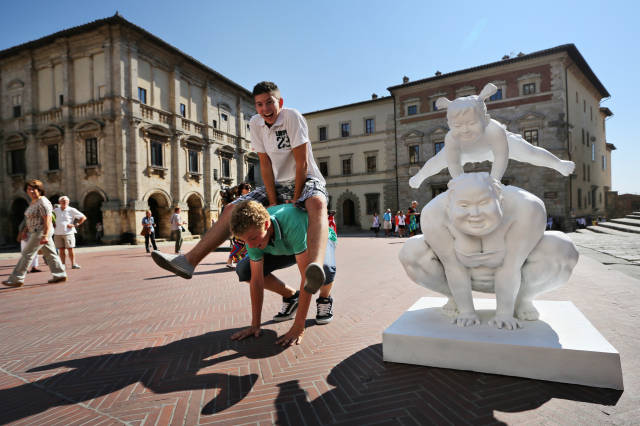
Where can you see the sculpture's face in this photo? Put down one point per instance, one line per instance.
(467, 126)
(475, 210)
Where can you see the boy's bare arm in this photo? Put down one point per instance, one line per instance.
(256, 289)
(302, 164)
(453, 156)
(268, 179)
(296, 332)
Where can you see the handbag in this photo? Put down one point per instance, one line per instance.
(145, 231)
(182, 228)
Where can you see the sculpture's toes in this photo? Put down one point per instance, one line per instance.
(526, 311)
(450, 308)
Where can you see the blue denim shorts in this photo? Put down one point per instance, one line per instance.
(273, 263)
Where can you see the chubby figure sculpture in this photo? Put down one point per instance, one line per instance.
(483, 236)
(476, 137)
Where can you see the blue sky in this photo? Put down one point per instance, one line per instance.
(328, 53)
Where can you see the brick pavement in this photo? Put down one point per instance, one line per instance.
(123, 342)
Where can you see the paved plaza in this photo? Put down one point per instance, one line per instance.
(124, 342)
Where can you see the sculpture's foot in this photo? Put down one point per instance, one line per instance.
(506, 322)
(566, 167)
(526, 311)
(450, 308)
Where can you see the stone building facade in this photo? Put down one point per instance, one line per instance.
(121, 122)
(551, 97)
(350, 145)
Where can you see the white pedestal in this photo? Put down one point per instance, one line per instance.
(562, 346)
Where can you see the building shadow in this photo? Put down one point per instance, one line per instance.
(367, 390)
(174, 367)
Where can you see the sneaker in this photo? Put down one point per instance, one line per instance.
(75, 266)
(314, 277)
(289, 308)
(10, 283)
(178, 264)
(324, 307)
(57, 280)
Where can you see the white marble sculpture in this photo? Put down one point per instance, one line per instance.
(476, 137)
(480, 235)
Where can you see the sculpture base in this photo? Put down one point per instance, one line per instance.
(562, 346)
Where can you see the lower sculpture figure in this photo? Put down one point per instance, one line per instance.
(482, 236)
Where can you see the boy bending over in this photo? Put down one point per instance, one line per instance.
(277, 238)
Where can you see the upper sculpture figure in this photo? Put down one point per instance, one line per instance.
(474, 137)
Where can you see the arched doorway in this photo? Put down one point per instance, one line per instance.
(18, 207)
(348, 213)
(196, 215)
(159, 207)
(93, 210)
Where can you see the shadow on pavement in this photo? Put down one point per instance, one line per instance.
(368, 390)
(170, 368)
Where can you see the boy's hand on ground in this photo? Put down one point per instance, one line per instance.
(243, 334)
(293, 337)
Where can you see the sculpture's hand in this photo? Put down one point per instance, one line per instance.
(506, 321)
(466, 319)
(416, 180)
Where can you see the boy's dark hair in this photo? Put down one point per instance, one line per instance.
(266, 87)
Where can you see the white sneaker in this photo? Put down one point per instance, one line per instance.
(75, 266)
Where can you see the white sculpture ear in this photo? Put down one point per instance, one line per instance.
(442, 103)
(487, 91)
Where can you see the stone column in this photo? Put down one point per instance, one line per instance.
(177, 167)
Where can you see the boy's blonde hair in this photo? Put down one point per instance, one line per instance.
(247, 215)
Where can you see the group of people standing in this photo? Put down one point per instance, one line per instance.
(401, 224)
(55, 238)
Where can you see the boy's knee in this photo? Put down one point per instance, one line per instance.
(313, 204)
(243, 269)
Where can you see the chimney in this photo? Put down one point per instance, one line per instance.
(505, 57)
(405, 79)
(438, 73)
(374, 96)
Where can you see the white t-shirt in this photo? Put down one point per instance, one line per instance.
(65, 217)
(176, 222)
(289, 131)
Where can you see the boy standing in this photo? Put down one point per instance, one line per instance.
(277, 238)
(290, 175)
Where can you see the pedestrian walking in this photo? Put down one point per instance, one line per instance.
(40, 228)
(386, 222)
(375, 223)
(177, 228)
(148, 230)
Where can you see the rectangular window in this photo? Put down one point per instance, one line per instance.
(226, 167)
(582, 136)
(438, 147)
(584, 105)
(324, 168)
(16, 101)
(16, 162)
(576, 96)
(593, 152)
(588, 173)
(604, 162)
(496, 96)
(434, 107)
(17, 111)
(372, 165)
(373, 203)
(142, 95)
(346, 166)
(224, 117)
(52, 154)
(588, 139)
(215, 124)
(579, 198)
(591, 112)
(322, 133)
(156, 153)
(531, 136)
(183, 110)
(345, 129)
(61, 98)
(529, 89)
(369, 126)
(414, 154)
(193, 161)
(584, 172)
(91, 149)
(412, 109)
